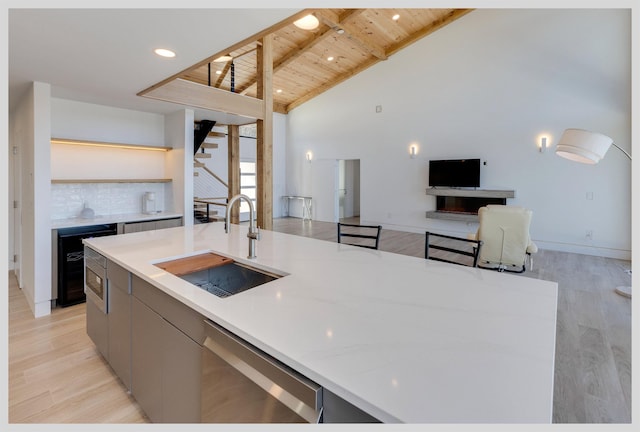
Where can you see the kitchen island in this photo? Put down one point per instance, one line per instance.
(401, 338)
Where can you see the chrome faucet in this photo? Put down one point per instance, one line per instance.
(253, 234)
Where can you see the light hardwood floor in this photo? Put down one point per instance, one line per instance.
(57, 376)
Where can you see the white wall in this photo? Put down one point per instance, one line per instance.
(487, 86)
(279, 162)
(11, 161)
(31, 134)
(179, 135)
(85, 121)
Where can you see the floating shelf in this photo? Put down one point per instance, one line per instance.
(59, 181)
(479, 193)
(108, 144)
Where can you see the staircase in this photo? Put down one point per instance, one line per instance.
(210, 192)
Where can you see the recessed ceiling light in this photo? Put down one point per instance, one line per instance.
(279, 91)
(330, 58)
(224, 58)
(396, 17)
(308, 22)
(218, 72)
(340, 31)
(164, 52)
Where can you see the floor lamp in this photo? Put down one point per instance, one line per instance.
(588, 147)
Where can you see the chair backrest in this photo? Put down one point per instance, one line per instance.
(504, 231)
(367, 236)
(451, 248)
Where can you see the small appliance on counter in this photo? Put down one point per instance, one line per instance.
(87, 212)
(149, 205)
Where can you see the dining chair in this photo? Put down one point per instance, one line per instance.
(454, 248)
(367, 236)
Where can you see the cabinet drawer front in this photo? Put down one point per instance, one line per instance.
(118, 276)
(184, 318)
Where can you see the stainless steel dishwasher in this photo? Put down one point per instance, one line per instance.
(241, 384)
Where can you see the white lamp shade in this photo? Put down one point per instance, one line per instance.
(583, 146)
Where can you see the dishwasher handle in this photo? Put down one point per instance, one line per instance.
(292, 389)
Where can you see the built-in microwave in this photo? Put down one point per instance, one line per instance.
(96, 279)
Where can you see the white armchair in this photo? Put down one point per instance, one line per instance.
(504, 231)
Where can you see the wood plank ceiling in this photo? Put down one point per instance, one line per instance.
(307, 63)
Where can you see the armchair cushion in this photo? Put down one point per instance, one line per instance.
(504, 231)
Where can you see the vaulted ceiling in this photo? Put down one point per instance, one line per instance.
(307, 63)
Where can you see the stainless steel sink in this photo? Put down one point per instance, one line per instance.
(229, 279)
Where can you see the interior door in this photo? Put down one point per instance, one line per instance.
(17, 215)
(343, 211)
(324, 190)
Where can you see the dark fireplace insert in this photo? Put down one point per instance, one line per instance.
(465, 205)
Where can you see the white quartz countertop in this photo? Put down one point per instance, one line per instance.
(109, 219)
(403, 338)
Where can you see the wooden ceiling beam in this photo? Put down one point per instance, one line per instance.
(196, 95)
(269, 30)
(292, 55)
(337, 23)
(449, 18)
(308, 44)
(224, 73)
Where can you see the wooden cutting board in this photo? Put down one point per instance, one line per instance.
(194, 263)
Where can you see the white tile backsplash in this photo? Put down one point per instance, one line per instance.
(67, 199)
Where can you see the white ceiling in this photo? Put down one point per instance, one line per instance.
(105, 56)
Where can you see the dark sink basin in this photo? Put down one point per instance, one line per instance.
(229, 279)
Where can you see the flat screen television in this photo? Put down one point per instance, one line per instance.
(454, 173)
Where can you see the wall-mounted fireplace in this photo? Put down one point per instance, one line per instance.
(463, 204)
(467, 205)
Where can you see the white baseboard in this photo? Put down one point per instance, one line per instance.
(620, 254)
(38, 309)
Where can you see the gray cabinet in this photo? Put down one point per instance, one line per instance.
(146, 359)
(168, 223)
(181, 369)
(119, 319)
(130, 227)
(338, 410)
(98, 328)
(166, 355)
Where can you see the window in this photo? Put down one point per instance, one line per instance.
(247, 186)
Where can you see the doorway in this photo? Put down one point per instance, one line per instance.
(335, 184)
(348, 189)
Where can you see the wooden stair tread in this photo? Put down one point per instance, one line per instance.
(197, 164)
(202, 156)
(213, 134)
(209, 145)
(182, 266)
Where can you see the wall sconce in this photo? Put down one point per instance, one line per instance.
(413, 151)
(309, 156)
(542, 146)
